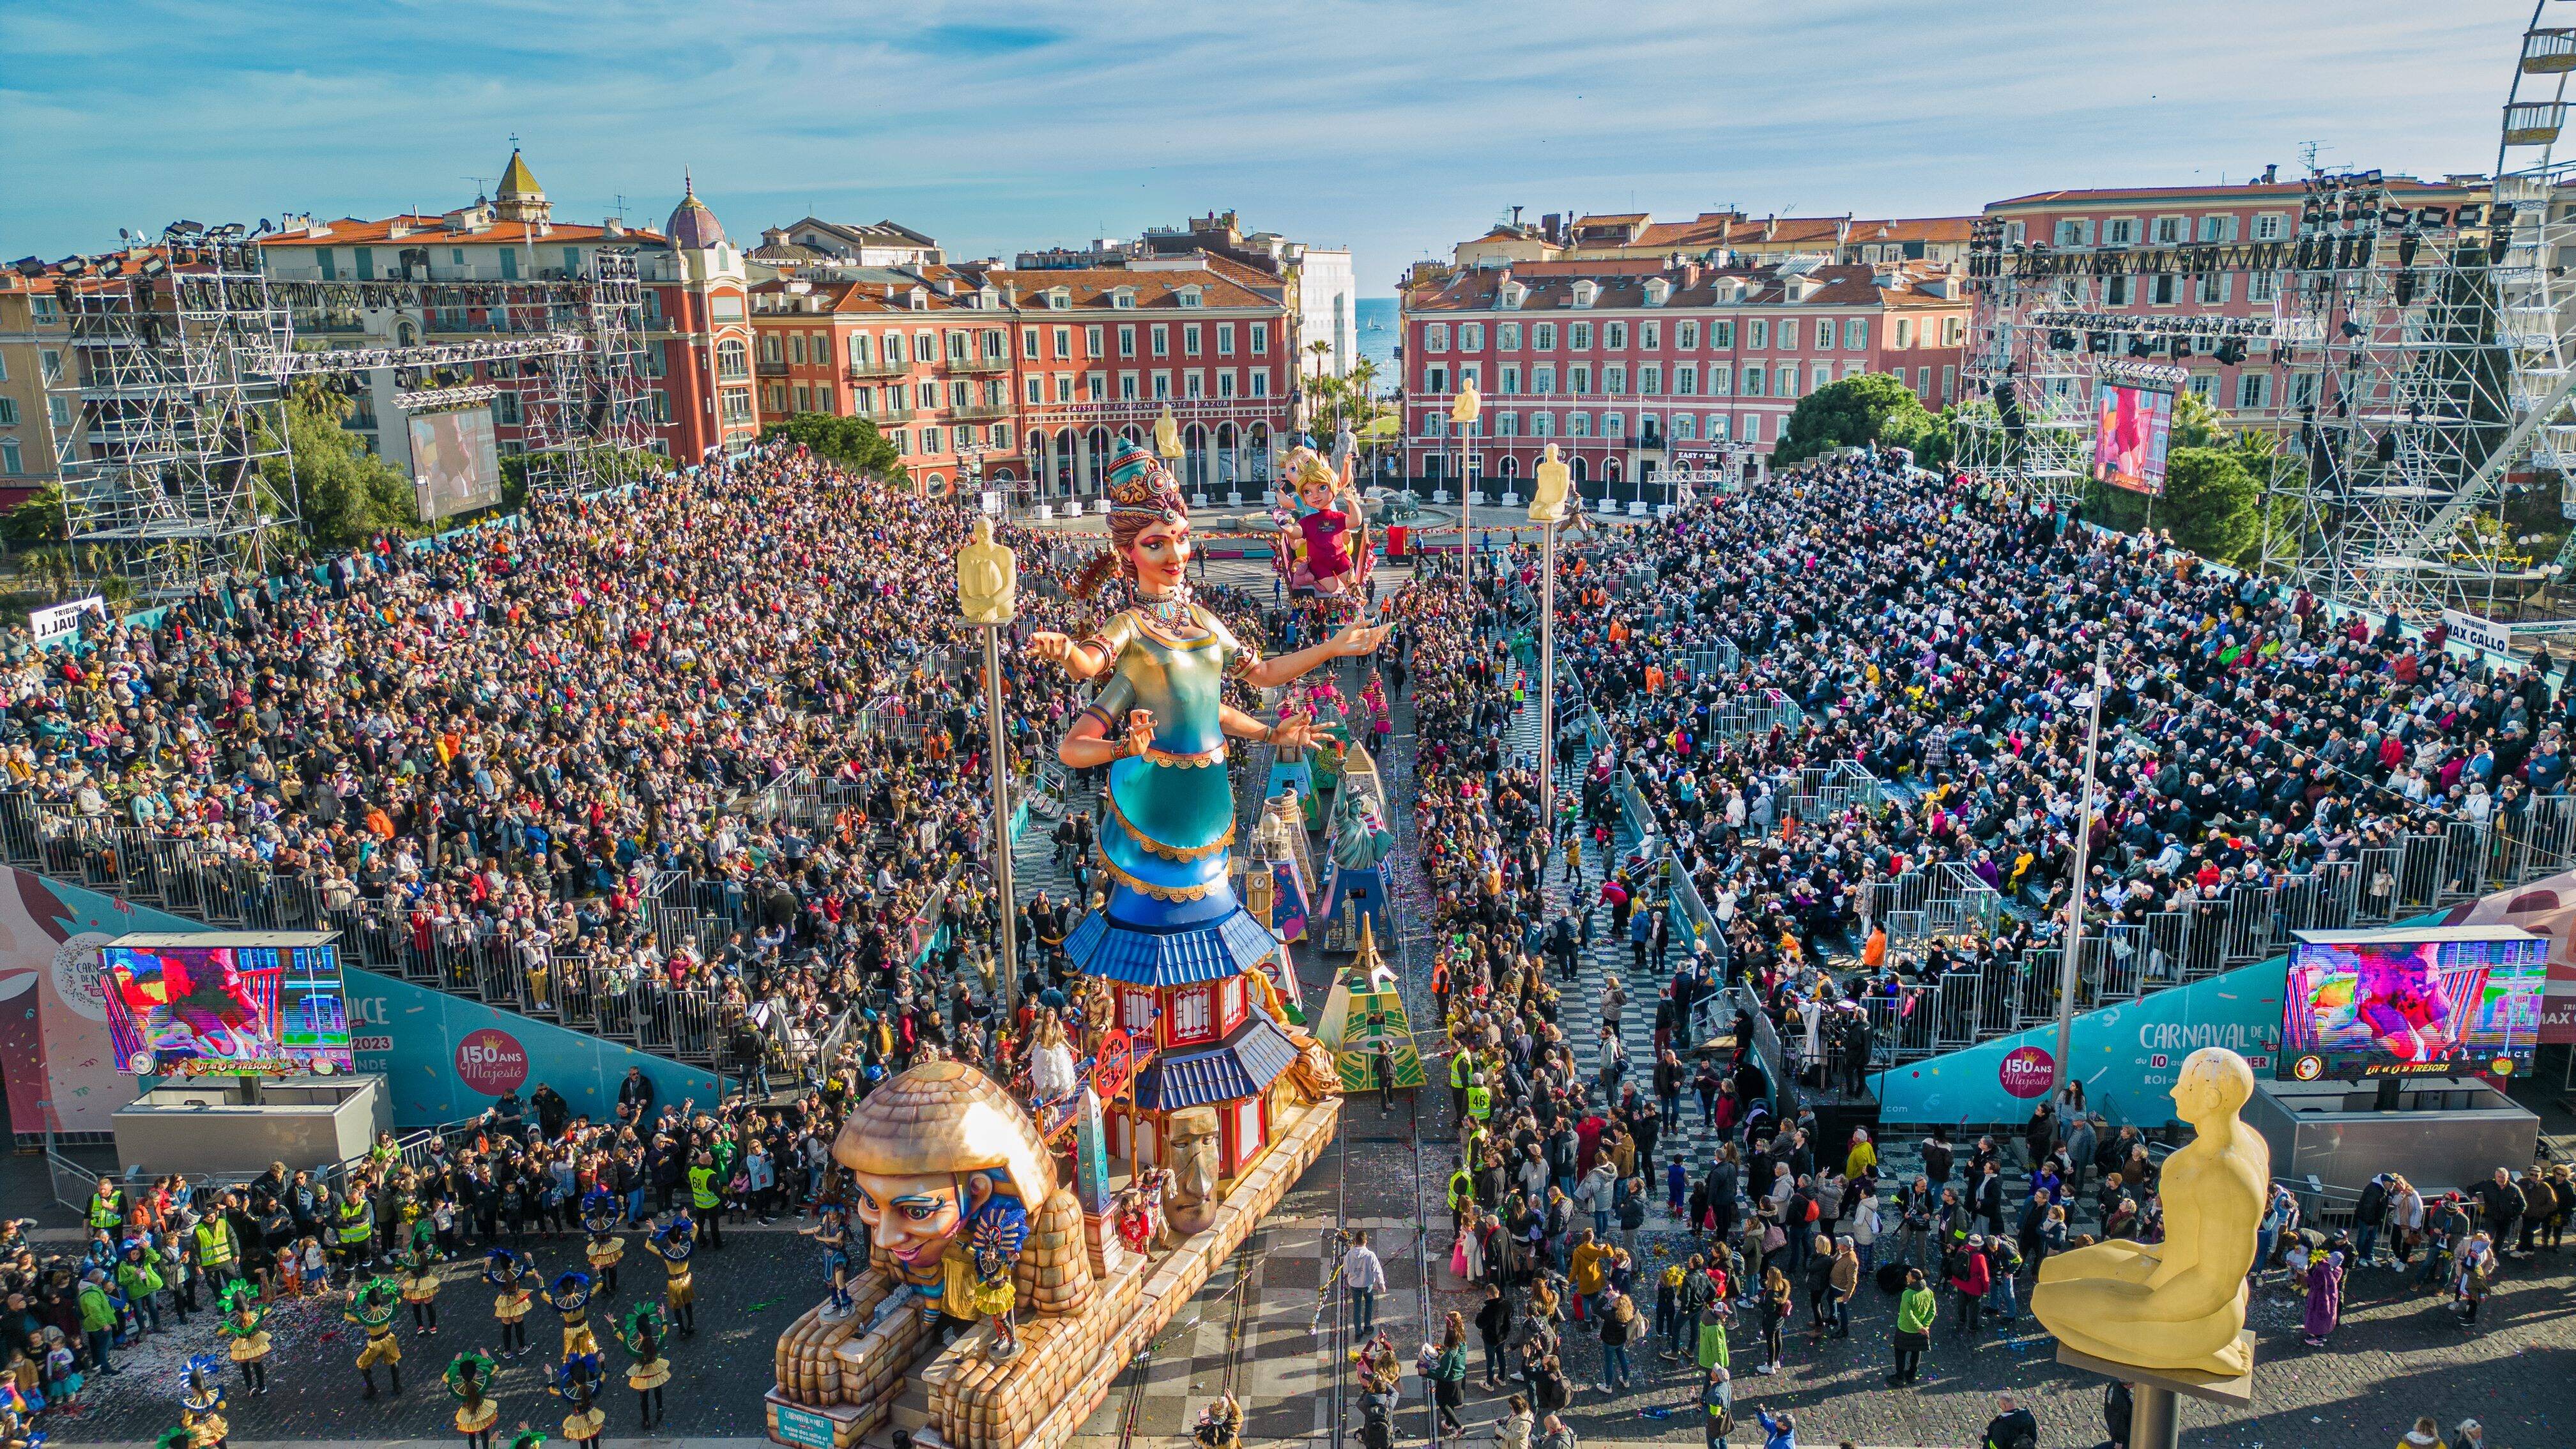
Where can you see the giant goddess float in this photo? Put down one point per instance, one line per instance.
(1008, 1279)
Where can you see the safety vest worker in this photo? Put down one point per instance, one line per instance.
(107, 1210)
(357, 1219)
(1480, 1100)
(215, 1244)
(702, 1189)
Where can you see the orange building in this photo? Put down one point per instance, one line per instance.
(1028, 377)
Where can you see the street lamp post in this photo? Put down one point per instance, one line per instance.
(987, 578)
(1549, 485)
(2068, 971)
(1462, 416)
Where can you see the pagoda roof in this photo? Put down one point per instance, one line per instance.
(1231, 944)
(1243, 1065)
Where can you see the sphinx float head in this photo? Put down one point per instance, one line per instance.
(928, 1148)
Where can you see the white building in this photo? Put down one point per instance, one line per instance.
(1328, 307)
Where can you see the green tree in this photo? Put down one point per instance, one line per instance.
(854, 443)
(2195, 423)
(1851, 413)
(347, 494)
(39, 521)
(2212, 504)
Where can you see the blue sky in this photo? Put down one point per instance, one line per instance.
(1387, 126)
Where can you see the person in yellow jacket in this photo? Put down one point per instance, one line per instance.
(107, 1207)
(1588, 1270)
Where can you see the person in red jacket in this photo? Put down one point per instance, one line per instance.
(1969, 1279)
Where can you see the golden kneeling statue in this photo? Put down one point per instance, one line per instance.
(987, 578)
(2178, 1305)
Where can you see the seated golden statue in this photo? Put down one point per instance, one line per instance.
(987, 578)
(2178, 1304)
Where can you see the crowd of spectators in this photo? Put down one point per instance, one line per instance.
(503, 738)
(494, 756)
(1940, 633)
(1564, 1159)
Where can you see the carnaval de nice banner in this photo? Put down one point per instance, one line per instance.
(2125, 1055)
(443, 1057)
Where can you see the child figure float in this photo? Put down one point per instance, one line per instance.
(1323, 521)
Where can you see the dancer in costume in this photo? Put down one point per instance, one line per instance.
(419, 1265)
(569, 1295)
(602, 1212)
(997, 1230)
(243, 1315)
(515, 1275)
(673, 1243)
(576, 1382)
(833, 1233)
(469, 1382)
(201, 1402)
(642, 1332)
(372, 1306)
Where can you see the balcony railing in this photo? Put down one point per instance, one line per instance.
(861, 371)
(979, 364)
(772, 369)
(889, 417)
(979, 412)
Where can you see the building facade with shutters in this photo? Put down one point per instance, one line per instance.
(2127, 235)
(1624, 363)
(1029, 377)
(697, 333)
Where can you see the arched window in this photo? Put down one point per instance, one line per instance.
(733, 360)
(1256, 442)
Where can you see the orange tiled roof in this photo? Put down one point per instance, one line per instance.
(432, 231)
(1623, 285)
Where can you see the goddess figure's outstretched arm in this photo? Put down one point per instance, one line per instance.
(1293, 732)
(1081, 661)
(1088, 742)
(1280, 669)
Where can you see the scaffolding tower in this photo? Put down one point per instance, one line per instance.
(182, 356)
(2409, 364)
(176, 461)
(2029, 414)
(585, 411)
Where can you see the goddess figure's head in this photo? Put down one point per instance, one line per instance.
(1149, 525)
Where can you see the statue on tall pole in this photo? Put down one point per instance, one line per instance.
(2169, 1317)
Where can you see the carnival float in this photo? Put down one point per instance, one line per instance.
(1019, 1256)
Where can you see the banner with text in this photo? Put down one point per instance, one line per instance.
(2125, 1055)
(445, 1058)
